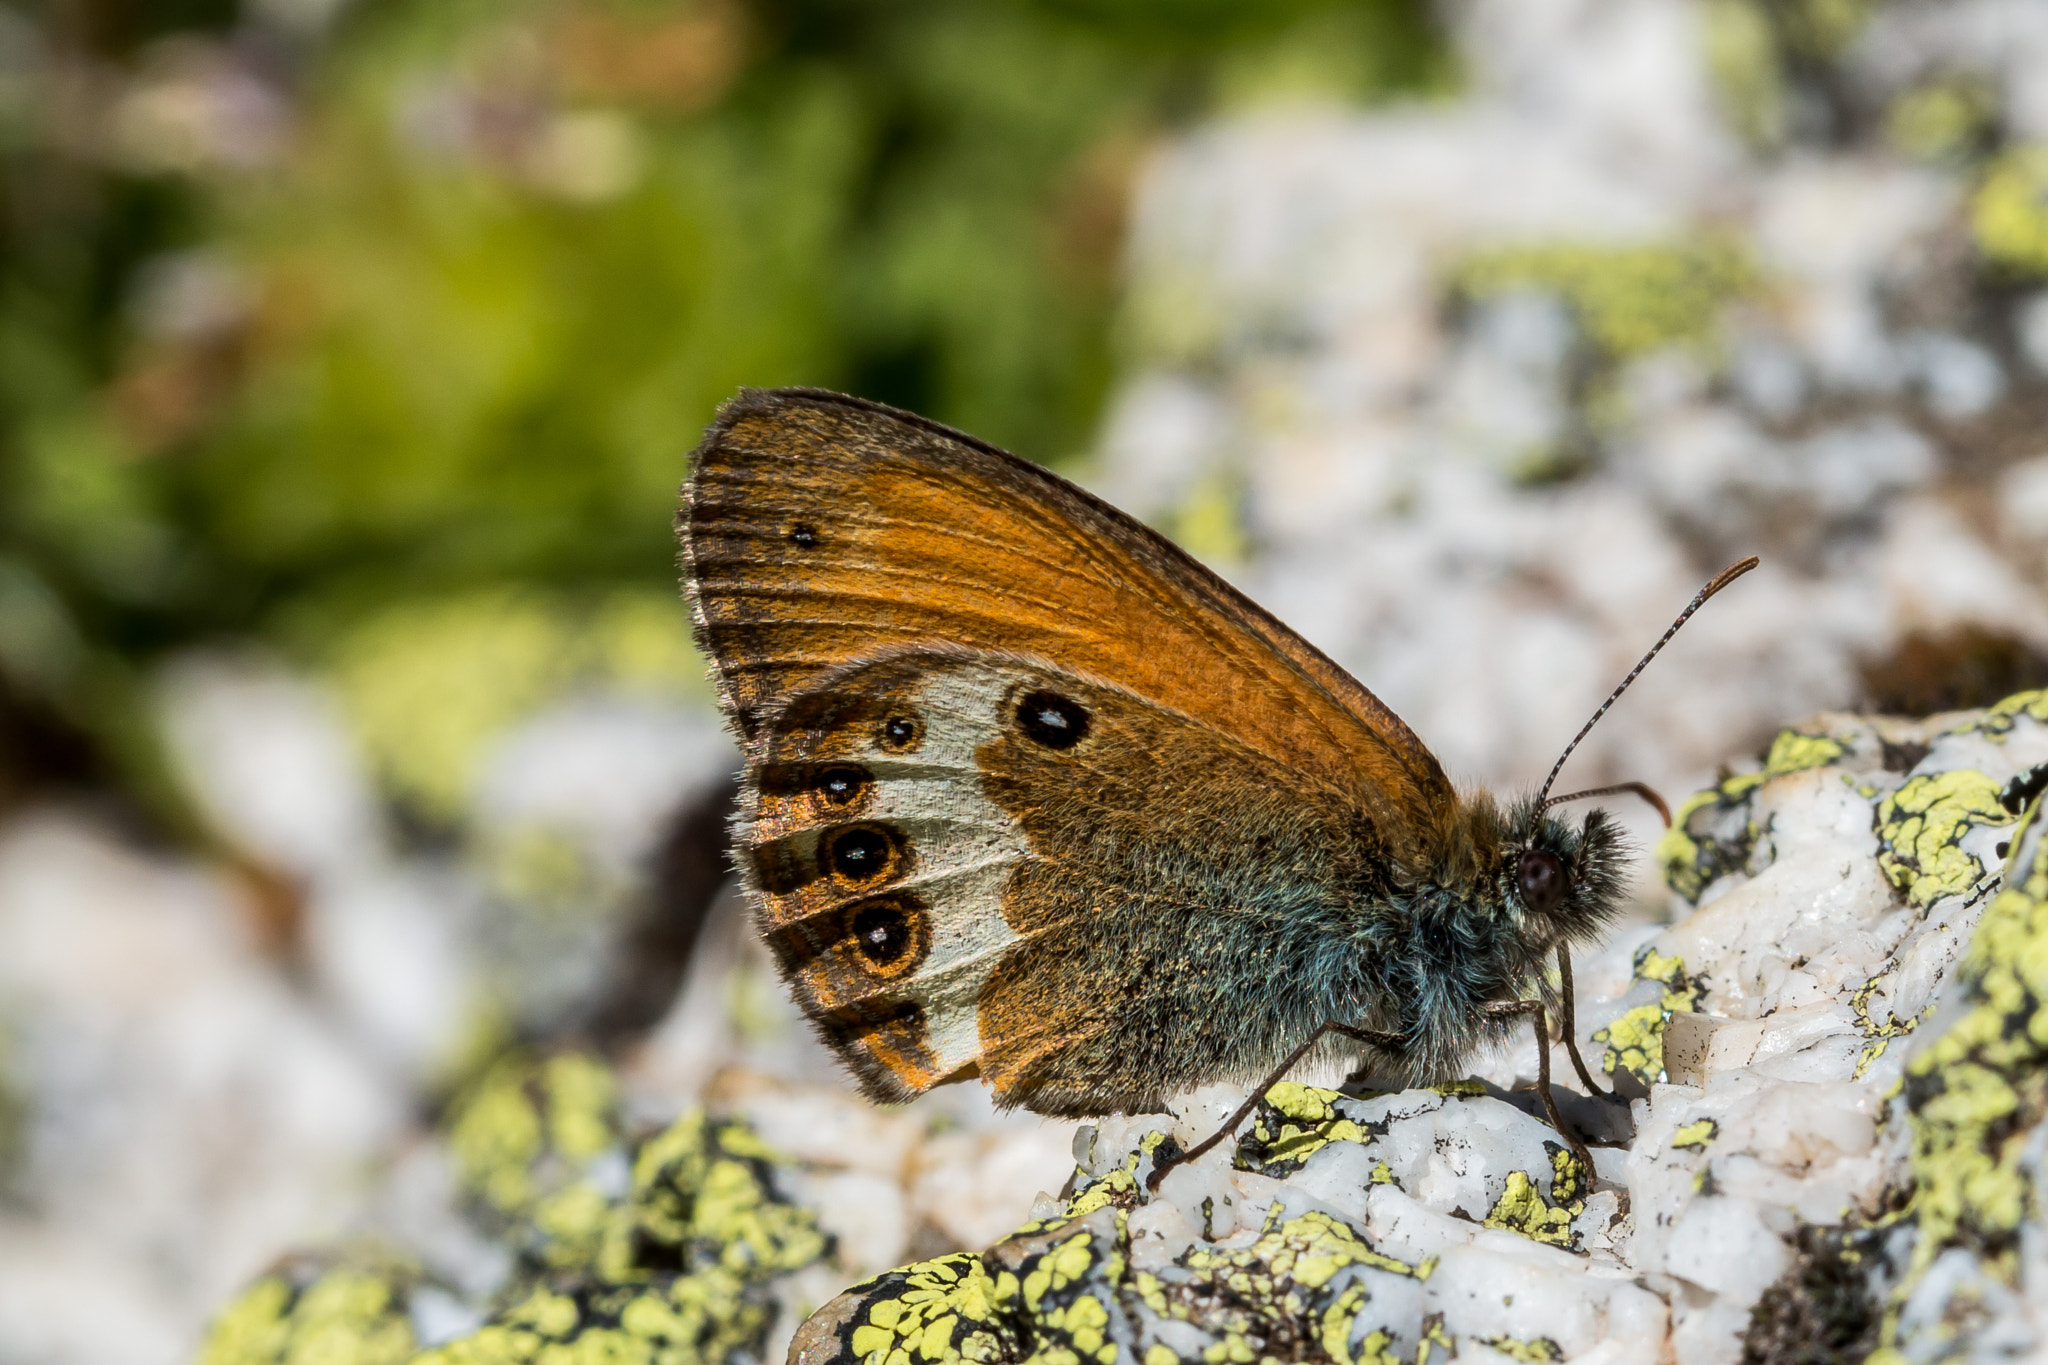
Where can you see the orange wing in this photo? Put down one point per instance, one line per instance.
(819, 530)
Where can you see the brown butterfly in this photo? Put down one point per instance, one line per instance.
(1032, 795)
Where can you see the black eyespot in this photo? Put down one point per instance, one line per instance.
(804, 535)
(842, 786)
(861, 853)
(1542, 880)
(2004, 847)
(901, 734)
(885, 933)
(1055, 721)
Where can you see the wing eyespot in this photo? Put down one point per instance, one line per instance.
(843, 784)
(901, 733)
(861, 854)
(1051, 720)
(803, 535)
(890, 933)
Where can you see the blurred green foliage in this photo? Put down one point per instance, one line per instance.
(310, 308)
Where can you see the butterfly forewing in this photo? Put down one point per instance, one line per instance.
(818, 530)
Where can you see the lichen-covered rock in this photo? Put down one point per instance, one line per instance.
(1796, 1181)
(319, 1312)
(677, 1248)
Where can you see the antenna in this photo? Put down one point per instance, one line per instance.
(1642, 789)
(1719, 581)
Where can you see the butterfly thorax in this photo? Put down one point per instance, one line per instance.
(1462, 935)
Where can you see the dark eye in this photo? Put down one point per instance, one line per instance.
(1541, 879)
(1055, 721)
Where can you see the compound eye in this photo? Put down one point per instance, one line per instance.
(1542, 880)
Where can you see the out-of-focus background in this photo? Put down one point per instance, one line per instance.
(351, 738)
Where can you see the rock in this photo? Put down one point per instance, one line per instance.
(1843, 1053)
(675, 1245)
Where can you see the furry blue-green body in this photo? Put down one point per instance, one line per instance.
(1225, 990)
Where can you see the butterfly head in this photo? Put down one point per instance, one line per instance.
(1560, 883)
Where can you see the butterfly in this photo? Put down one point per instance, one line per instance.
(1032, 795)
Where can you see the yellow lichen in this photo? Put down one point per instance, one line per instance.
(1308, 1251)
(428, 683)
(1537, 1350)
(1698, 1133)
(1742, 57)
(2009, 215)
(1635, 1038)
(1294, 1123)
(1339, 1323)
(1978, 1091)
(1689, 853)
(346, 1313)
(1631, 300)
(524, 1131)
(1794, 752)
(1941, 120)
(1522, 1207)
(1434, 1338)
(1920, 828)
(1877, 1037)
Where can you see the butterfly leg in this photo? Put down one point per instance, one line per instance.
(1386, 1041)
(1569, 1026)
(1534, 1009)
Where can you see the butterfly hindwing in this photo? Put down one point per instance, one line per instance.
(1055, 882)
(879, 865)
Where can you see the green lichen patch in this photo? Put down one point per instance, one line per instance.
(428, 682)
(703, 1194)
(1942, 120)
(1793, 751)
(1877, 1036)
(1699, 1133)
(317, 1314)
(1539, 1350)
(1710, 836)
(1920, 828)
(1065, 1293)
(1714, 830)
(1523, 1208)
(1307, 1252)
(526, 1137)
(948, 1309)
(1630, 300)
(678, 1269)
(1977, 1094)
(1052, 1297)
(672, 1320)
(1635, 1038)
(1998, 719)
(1291, 1124)
(2009, 214)
(1303, 1285)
